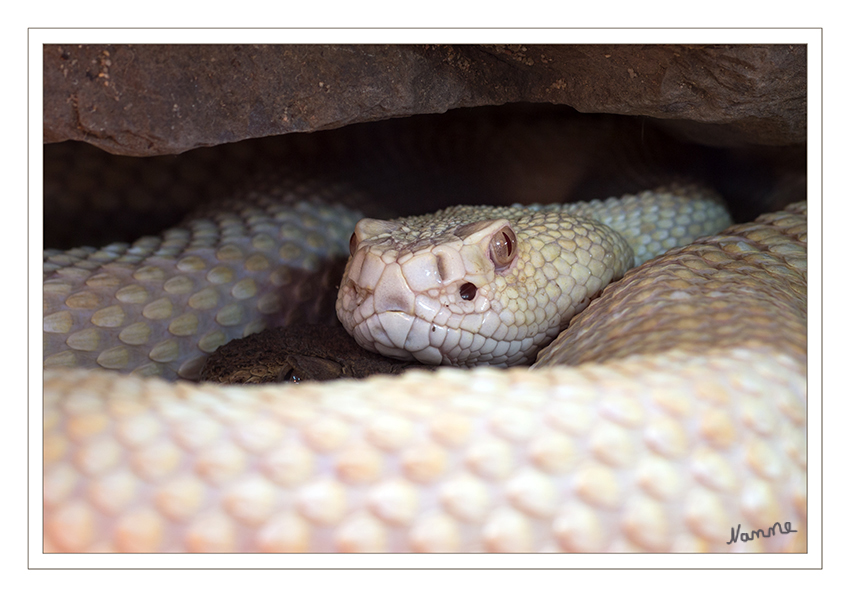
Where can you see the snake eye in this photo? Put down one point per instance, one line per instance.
(468, 291)
(503, 248)
(352, 243)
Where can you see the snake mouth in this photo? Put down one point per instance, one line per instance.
(399, 335)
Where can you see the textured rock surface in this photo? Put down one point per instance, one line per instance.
(149, 100)
(297, 353)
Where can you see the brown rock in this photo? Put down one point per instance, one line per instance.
(300, 352)
(154, 99)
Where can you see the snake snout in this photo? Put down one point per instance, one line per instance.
(392, 294)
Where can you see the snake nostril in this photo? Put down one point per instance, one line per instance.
(468, 291)
(352, 243)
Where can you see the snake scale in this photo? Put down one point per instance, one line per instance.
(671, 410)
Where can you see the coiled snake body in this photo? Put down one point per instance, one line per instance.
(664, 447)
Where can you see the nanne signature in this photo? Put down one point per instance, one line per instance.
(759, 533)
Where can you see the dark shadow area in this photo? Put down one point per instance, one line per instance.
(521, 153)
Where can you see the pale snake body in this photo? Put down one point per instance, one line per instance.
(638, 454)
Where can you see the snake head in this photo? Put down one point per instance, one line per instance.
(473, 285)
(424, 293)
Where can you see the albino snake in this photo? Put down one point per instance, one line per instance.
(664, 447)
